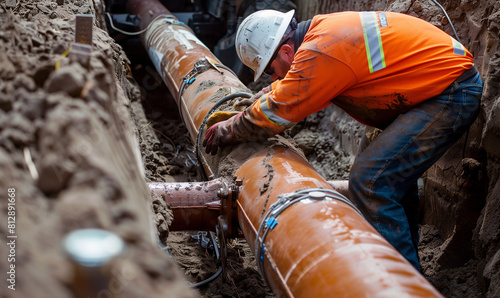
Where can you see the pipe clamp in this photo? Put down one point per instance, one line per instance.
(284, 201)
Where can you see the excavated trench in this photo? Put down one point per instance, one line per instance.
(79, 128)
(169, 156)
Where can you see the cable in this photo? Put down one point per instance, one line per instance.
(442, 9)
(219, 270)
(449, 21)
(165, 248)
(137, 32)
(200, 129)
(211, 278)
(198, 68)
(217, 255)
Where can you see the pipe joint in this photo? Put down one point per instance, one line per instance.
(228, 196)
(202, 65)
(170, 19)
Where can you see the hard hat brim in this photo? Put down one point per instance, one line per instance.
(280, 32)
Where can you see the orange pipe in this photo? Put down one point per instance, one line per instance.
(174, 50)
(317, 249)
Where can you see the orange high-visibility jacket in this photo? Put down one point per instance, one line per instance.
(374, 65)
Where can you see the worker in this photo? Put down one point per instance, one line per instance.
(387, 70)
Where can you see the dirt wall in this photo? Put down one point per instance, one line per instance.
(462, 189)
(69, 158)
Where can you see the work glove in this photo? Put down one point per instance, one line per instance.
(234, 130)
(220, 134)
(240, 105)
(219, 116)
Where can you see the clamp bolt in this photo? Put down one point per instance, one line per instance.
(317, 195)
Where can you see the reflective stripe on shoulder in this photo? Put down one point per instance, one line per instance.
(458, 48)
(373, 40)
(271, 116)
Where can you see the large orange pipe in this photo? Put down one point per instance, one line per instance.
(174, 50)
(317, 249)
(320, 249)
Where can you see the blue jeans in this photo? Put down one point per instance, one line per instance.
(383, 178)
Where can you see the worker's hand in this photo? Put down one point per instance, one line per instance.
(246, 102)
(219, 116)
(220, 134)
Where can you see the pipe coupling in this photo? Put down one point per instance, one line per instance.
(285, 201)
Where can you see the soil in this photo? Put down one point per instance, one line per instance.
(65, 146)
(69, 160)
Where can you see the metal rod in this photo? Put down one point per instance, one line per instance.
(195, 205)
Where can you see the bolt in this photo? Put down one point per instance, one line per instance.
(317, 195)
(221, 193)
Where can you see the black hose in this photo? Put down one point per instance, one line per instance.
(200, 130)
(211, 278)
(217, 255)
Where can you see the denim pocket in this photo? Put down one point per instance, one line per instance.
(473, 89)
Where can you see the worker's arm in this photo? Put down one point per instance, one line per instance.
(310, 85)
(232, 131)
(313, 80)
(227, 127)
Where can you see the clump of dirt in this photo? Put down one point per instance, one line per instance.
(451, 282)
(329, 139)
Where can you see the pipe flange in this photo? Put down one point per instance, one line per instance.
(222, 235)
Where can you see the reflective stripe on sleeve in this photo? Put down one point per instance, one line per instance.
(273, 117)
(373, 41)
(458, 48)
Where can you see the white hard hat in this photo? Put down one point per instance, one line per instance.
(258, 37)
